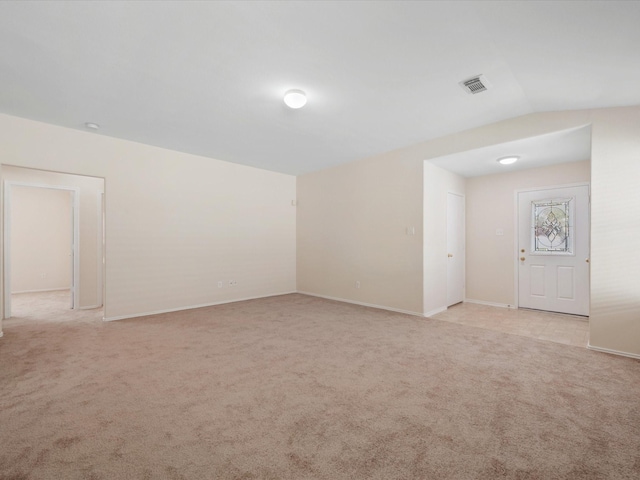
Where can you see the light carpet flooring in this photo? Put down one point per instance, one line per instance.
(48, 307)
(301, 388)
(553, 327)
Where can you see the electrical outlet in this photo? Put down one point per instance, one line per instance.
(43, 275)
(358, 284)
(220, 284)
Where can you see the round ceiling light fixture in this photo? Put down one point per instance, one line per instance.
(92, 126)
(508, 160)
(295, 98)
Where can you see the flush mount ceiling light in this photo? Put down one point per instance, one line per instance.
(295, 98)
(92, 126)
(507, 160)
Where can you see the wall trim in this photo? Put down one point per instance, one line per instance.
(90, 307)
(43, 290)
(435, 312)
(490, 304)
(613, 352)
(191, 307)
(362, 304)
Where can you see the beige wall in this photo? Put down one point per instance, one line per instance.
(352, 227)
(490, 205)
(437, 184)
(176, 224)
(351, 221)
(89, 190)
(41, 238)
(615, 227)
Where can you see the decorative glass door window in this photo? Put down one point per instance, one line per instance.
(552, 227)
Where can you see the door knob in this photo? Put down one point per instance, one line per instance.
(587, 260)
(522, 250)
(450, 255)
(522, 259)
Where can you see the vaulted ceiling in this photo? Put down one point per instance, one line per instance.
(208, 77)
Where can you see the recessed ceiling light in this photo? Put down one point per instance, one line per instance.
(92, 126)
(295, 98)
(507, 160)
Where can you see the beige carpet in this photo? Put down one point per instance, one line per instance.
(295, 387)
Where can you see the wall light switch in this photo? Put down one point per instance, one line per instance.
(499, 231)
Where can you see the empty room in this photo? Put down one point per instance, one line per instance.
(319, 240)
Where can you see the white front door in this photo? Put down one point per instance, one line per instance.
(455, 249)
(553, 250)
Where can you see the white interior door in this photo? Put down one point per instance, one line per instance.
(455, 248)
(73, 249)
(7, 251)
(553, 250)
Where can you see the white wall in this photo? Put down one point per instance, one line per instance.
(490, 205)
(90, 190)
(41, 238)
(176, 224)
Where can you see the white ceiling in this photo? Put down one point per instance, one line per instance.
(208, 77)
(554, 148)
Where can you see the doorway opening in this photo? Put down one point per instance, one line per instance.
(53, 244)
(41, 242)
(490, 189)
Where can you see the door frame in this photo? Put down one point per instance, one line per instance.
(75, 257)
(516, 232)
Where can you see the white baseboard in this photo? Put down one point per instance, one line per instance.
(435, 312)
(362, 304)
(44, 290)
(613, 352)
(90, 307)
(489, 304)
(191, 307)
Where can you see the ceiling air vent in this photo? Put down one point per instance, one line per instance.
(475, 84)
